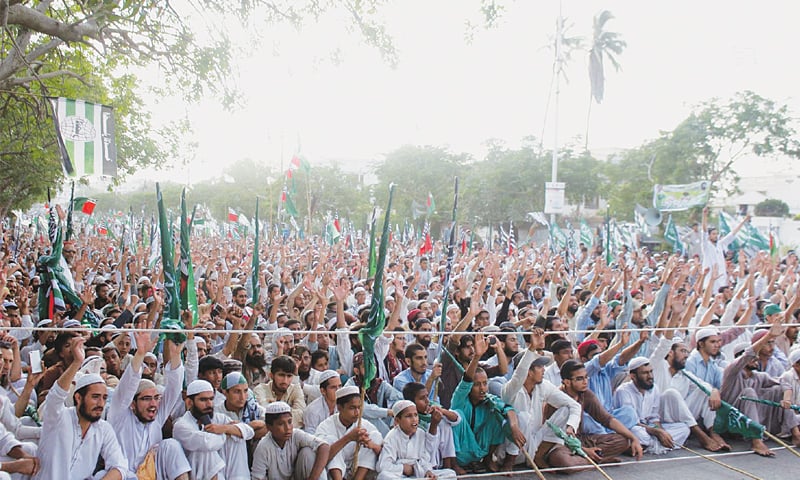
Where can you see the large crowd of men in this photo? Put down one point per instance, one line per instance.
(632, 356)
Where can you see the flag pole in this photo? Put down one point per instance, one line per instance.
(723, 464)
(533, 464)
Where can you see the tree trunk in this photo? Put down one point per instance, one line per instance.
(588, 118)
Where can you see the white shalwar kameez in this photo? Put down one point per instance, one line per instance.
(64, 453)
(530, 408)
(315, 413)
(208, 452)
(332, 430)
(292, 462)
(235, 450)
(416, 449)
(653, 407)
(695, 400)
(137, 438)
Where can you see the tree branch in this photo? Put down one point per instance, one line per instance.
(58, 73)
(34, 20)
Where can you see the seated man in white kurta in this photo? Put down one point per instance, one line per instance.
(659, 429)
(325, 405)
(286, 453)
(407, 449)
(342, 433)
(210, 441)
(75, 437)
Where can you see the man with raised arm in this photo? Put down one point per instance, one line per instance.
(138, 412)
(75, 437)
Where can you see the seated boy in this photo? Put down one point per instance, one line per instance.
(285, 453)
(437, 421)
(407, 449)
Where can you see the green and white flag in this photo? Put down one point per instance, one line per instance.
(587, 235)
(672, 198)
(671, 236)
(85, 133)
(557, 236)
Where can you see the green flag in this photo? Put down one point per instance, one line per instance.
(172, 308)
(188, 289)
(725, 222)
(372, 258)
(288, 203)
(558, 238)
(729, 419)
(672, 237)
(377, 318)
(587, 235)
(256, 263)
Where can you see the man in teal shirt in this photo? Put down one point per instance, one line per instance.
(486, 420)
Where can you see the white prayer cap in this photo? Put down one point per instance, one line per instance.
(401, 405)
(199, 340)
(359, 290)
(198, 386)
(145, 384)
(276, 408)
(107, 327)
(71, 323)
(283, 332)
(794, 356)
(88, 379)
(44, 322)
(637, 362)
(151, 355)
(327, 375)
(347, 391)
(704, 333)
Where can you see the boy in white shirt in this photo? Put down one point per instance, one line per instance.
(285, 453)
(407, 449)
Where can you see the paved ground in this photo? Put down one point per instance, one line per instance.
(682, 465)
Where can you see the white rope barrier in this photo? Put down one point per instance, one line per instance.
(200, 330)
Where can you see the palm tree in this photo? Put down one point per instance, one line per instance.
(605, 44)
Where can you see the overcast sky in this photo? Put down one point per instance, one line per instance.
(446, 91)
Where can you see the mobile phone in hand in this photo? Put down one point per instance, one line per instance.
(35, 361)
(205, 420)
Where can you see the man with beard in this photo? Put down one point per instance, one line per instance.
(488, 420)
(255, 359)
(76, 436)
(659, 429)
(784, 343)
(240, 407)
(210, 440)
(702, 362)
(425, 326)
(669, 362)
(602, 448)
(417, 370)
(138, 412)
(742, 378)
